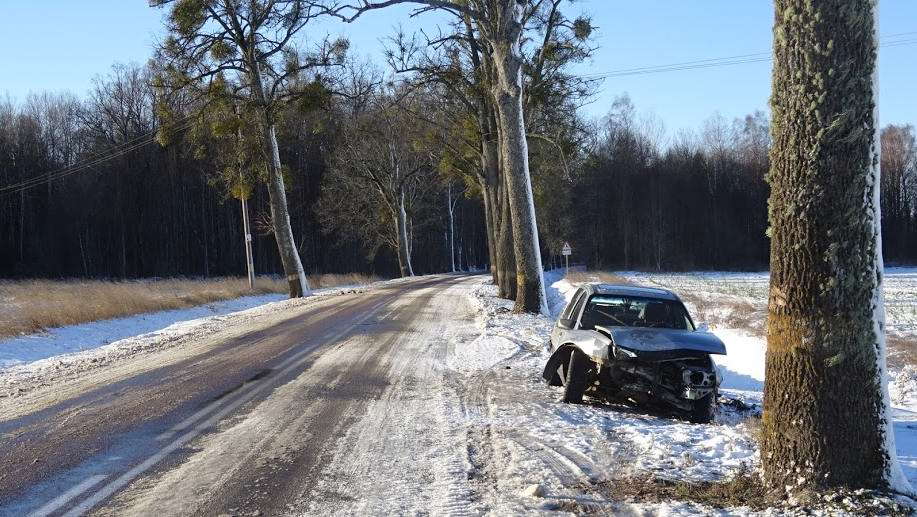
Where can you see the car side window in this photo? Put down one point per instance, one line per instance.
(566, 315)
(577, 308)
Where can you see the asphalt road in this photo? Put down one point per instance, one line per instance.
(266, 405)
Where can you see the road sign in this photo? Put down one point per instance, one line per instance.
(566, 251)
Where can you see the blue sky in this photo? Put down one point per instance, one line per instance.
(61, 45)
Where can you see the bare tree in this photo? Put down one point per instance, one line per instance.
(382, 160)
(500, 25)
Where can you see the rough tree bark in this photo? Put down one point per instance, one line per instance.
(488, 229)
(490, 175)
(506, 263)
(505, 39)
(826, 420)
(530, 295)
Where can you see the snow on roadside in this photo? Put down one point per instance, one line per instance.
(559, 291)
(76, 338)
(39, 359)
(482, 353)
(742, 367)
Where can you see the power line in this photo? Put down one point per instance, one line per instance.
(100, 156)
(148, 137)
(757, 57)
(121, 150)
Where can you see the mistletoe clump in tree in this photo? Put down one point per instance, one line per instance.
(246, 53)
(496, 35)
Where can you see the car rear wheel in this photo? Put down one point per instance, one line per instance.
(575, 377)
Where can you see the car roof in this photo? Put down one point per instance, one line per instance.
(633, 290)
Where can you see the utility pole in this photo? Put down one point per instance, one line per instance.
(566, 252)
(249, 258)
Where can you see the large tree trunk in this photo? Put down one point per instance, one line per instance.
(826, 420)
(514, 160)
(491, 173)
(404, 241)
(489, 230)
(280, 215)
(506, 260)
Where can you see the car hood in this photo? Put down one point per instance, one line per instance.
(650, 340)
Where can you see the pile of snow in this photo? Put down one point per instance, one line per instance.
(558, 290)
(742, 367)
(482, 353)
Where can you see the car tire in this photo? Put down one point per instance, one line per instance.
(704, 409)
(575, 378)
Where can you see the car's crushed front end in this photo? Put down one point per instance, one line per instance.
(647, 365)
(637, 344)
(674, 366)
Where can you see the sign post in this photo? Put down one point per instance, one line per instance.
(566, 252)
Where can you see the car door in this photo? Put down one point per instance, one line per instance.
(567, 319)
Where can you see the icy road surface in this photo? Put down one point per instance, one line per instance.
(401, 399)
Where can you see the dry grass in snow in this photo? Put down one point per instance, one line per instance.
(28, 306)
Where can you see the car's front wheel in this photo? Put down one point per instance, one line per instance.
(575, 377)
(704, 409)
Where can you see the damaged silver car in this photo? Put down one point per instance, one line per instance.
(638, 344)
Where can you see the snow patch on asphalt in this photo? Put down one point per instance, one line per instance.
(482, 353)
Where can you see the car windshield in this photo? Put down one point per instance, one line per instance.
(634, 311)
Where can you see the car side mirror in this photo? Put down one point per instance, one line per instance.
(703, 327)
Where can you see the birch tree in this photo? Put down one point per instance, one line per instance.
(826, 406)
(380, 159)
(247, 51)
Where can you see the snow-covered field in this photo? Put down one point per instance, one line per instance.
(76, 338)
(735, 306)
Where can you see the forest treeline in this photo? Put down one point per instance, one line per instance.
(165, 211)
(435, 162)
(621, 191)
